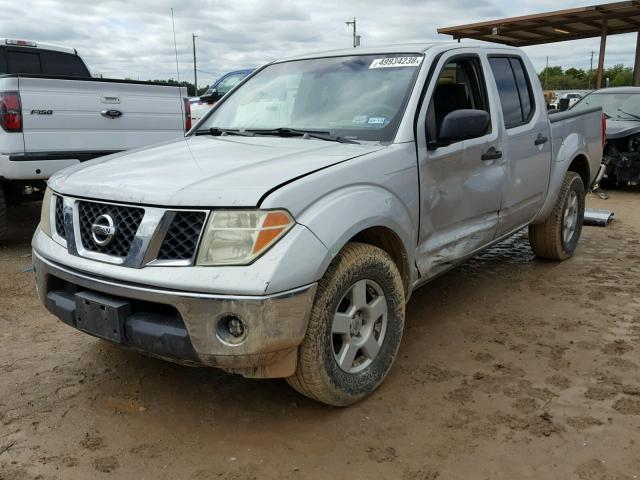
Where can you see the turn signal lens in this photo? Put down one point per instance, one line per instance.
(237, 237)
(45, 213)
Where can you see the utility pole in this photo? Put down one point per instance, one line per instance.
(356, 38)
(546, 74)
(195, 70)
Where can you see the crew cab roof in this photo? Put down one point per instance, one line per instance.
(394, 48)
(622, 90)
(14, 43)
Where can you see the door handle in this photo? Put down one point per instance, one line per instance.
(491, 154)
(541, 140)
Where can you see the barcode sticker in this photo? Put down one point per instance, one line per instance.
(394, 62)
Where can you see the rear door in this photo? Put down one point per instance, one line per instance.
(527, 142)
(460, 186)
(101, 116)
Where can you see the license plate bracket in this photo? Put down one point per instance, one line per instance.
(101, 315)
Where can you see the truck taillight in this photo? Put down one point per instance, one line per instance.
(604, 129)
(10, 112)
(187, 115)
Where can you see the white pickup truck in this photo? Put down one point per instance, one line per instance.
(54, 114)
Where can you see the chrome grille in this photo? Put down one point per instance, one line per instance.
(126, 220)
(60, 228)
(181, 240)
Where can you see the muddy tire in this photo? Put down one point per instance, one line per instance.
(557, 238)
(3, 214)
(355, 327)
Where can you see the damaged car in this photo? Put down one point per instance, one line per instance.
(621, 156)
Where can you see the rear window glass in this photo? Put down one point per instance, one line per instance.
(58, 63)
(507, 89)
(23, 62)
(524, 89)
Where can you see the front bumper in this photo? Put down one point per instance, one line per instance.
(182, 326)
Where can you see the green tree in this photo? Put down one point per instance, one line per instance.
(555, 78)
(575, 73)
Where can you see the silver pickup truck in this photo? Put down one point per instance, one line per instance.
(284, 235)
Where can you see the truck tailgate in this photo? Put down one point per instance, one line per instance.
(94, 115)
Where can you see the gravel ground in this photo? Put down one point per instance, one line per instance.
(509, 368)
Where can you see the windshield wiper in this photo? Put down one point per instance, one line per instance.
(215, 131)
(293, 132)
(635, 117)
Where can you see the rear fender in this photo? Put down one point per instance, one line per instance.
(571, 147)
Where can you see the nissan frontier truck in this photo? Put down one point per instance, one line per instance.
(283, 236)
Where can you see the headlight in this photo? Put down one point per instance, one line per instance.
(237, 237)
(45, 213)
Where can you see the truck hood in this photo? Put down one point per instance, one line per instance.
(203, 171)
(621, 128)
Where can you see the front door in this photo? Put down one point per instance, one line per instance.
(461, 184)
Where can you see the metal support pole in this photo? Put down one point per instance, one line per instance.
(603, 47)
(355, 38)
(636, 69)
(195, 70)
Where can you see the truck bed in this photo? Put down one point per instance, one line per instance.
(568, 127)
(70, 119)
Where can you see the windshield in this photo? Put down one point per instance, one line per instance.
(617, 106)
(355, 97)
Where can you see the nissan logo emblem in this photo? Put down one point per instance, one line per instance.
(103, 230)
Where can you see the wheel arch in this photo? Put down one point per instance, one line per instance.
(580, 165)
(368, 214)
(387, 240)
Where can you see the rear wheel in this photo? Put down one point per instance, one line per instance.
(3, 213)
(557, 238)
(355, 327)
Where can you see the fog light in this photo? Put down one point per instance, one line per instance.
(235, 327)
(231, 329)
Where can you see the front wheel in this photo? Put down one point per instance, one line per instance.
(355, 327)
(557, 238)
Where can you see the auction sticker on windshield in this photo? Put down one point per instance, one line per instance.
(392, 62)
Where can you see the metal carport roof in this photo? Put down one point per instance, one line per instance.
(559, 26)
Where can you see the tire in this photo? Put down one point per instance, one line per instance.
(356, 269)
(557, 238)
(3, 214)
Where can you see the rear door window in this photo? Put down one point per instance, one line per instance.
(524, 88)
(508, 90)
(65, 64)
(23, 62)
(514, 89)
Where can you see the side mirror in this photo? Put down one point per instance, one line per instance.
(213, 96)
(462, 125)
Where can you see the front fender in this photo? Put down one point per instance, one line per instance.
(340, 215)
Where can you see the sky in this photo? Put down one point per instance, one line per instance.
(134, 38)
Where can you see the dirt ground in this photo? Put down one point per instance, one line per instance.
(510, 368)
